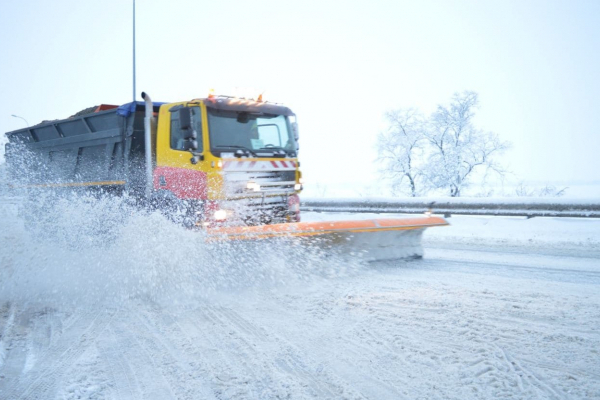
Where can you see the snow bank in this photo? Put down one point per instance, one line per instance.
(549, 234)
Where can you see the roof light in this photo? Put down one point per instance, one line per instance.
(259, 98)
(211, 94)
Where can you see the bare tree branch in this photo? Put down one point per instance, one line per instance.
(401, 149)
(459, 148)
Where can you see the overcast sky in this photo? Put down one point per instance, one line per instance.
(338, 64)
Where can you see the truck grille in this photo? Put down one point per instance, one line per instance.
(259, 196)
(244, 179)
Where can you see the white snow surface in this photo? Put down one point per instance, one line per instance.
(95, 306)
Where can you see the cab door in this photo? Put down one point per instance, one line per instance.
(179, 149)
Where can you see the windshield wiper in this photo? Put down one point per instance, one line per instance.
(284, 152)
(237, 147)
(273, 147)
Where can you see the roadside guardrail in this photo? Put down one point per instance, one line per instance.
(527, 207)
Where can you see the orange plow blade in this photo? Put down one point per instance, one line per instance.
(370, 240)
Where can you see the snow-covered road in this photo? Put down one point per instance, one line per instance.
(498, 308)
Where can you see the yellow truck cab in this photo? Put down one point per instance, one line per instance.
(238, 157)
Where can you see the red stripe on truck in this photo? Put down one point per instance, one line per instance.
(184, 183)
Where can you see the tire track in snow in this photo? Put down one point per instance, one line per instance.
(17, 340)
(8, 309)
(525, 321)
(176, 366)
(56, 342)
(321, 373)
(500, 374)
(189, 352)
(528, 376)
(492, 377)
(388, 381)
(239, 352)
(273, 361)
(112, 350)
(237, 368)
(228, 379)
(87, 378)
(498, 368)
(571, 370)
(133, 351)
(492, 372)
(492, 369)
(39, 338)
(287, 358)
(543, 326)
(393, 350)
(32, 336)
(59, 359)
(207, 358)
(510, 270)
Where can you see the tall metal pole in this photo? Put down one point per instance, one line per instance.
(16, 116)
(134, 50)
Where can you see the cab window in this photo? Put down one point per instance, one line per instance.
(178, 134)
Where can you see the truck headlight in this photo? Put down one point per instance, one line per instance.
(298, 186)
(220, 215)
(253, 186)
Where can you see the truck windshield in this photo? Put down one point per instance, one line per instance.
(262, 135)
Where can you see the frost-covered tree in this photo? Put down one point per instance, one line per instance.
(458, 148)
(524, 190)
(401, 149)
(444, 152)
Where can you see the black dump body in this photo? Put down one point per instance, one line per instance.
(98, 149)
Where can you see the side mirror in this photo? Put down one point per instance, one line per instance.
(295, 130)
(190, 134)
(190, 145)
(185, 119)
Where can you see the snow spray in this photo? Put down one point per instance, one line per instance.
(84, 248)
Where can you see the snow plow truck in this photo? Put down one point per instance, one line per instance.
(228, 166)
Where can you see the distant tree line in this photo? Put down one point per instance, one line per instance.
(442, 152)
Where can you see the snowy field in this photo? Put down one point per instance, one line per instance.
(498, 308)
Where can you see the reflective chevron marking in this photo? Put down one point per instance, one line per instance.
(259, 165)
